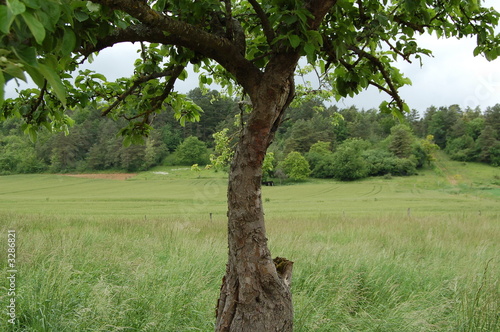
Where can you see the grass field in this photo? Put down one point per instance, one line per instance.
(419, 253)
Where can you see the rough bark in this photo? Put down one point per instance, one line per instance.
(255, 294)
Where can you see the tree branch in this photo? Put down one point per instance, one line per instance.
(404, 56)
(392, 91)
(266, 25)
(142, 79)
(319, 8)
(164, 29)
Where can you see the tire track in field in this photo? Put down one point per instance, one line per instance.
(329, 189)
(39, 188)
(376, 189)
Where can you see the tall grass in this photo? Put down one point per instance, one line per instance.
(408, 254)
(350, 274)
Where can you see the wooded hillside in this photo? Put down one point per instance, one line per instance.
(352, 144)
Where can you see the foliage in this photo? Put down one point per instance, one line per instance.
(192, 151)
(295, 166)
(320, 157)
(348, 163)
(466, 135)
(221, 159)
(268, 166)
(462, 148)
(195, 168)
(401, 141)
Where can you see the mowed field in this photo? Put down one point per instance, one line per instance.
(148, 253)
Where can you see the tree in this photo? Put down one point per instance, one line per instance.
(192, 151)
(348, 163)
(248, 44)
(268, 166)
(320, 157)
(296, 166)
(487, 144)
(401, 140)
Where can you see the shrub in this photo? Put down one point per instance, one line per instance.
(296, 167)
(379, 162)
(348, 163)
(320, 159)
(192, 151)
(461, 148)
(405, 166)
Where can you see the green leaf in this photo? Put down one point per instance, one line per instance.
(16, 7)
(35, 4)
(81, 16)
(27, 55)
(55, 81)
(310, 52)
(31, 132)
(127, 141)
(35, 75)
(6, 19)
(294, 40)
(93, 7)
(37, 29)
(53, 9)
(99, 76)
(183, 75)
(15, 71)
(477, 51)
(68, 41)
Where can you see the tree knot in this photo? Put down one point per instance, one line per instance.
(284, 268)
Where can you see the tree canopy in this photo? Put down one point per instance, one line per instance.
(350, 43)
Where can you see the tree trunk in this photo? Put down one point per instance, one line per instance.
(255, 294)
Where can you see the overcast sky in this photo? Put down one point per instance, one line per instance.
(452, 76)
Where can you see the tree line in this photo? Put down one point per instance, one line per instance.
(314, 140)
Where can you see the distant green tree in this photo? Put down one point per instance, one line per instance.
(154, 151)
(132, 158)
(487, 144)
(296, 166)
(348, 162)
(401, 141)
(320, 157)
(380, 162)
(461, 148)
(192, 151)
(216, 109)
(301, 136)
(18, 155)
(474, 127)
(492, 118)
(268, 166)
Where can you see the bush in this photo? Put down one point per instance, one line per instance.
(461, 148)
(192, 151)
(379, 162)
(348, 163)
(324, 167)
(405, 166)
(320, 159)
(296, 166)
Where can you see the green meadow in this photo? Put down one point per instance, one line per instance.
(418, 253)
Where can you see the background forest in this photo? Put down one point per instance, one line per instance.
(314, 140)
